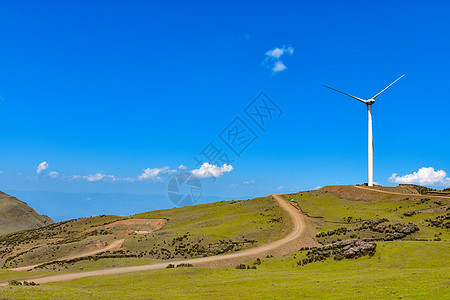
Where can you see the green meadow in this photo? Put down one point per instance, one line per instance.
(414, 267)
(398, 270)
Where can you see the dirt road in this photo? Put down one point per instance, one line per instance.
(297, 232)
(405, 194)
(114, 245)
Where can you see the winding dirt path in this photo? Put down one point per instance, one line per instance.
(114, 245)
(297, 232)
(395, 193)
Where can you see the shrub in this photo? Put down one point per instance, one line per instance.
(14, 282)
(349, 249)
(184, 265)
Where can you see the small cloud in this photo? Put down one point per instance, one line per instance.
(278, 52)
(273, 56)
(42, 166)
(98, 177)
(278, 67)
(208, 170)
(182, 167)
(155, 173)
(249, 182)
(318, 187)
(280, 187)
(424, 176)
(53, 174)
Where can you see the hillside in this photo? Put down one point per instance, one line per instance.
(16, 215)
(371, 243)
(185, 232)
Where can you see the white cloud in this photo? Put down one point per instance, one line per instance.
(424, 176)
(249, 182)
(273, 56)
(42, 166)
(148, 173)
(278, 67)
(280, 187)
(318, 187)
(208, 170)
(53, 174)
(278, 52)
(182, 167)
(98, 177)
(154, 173)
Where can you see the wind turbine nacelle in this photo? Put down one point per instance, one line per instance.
(370, 101)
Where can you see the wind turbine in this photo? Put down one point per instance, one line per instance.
(368, 103)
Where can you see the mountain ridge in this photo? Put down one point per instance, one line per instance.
(16, 215)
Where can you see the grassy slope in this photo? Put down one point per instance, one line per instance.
(335, 204)
(16, 215)
(46, 251)
(210, 223)
(404, 269)
(235, 220)
(388, 274)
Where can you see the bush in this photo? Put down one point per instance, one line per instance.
(349, 249)
(14, 282)
(184, 265)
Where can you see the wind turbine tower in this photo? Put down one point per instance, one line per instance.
(369, 104)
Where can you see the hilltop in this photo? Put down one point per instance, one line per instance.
(16, 215)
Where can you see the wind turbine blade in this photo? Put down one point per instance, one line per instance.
(359, 99)
(387, 87)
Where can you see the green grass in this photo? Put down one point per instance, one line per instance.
(235, 220)
(26, 240)
(226, 219)
(401, 269)
(206, 224)
(79, 266)
(334, 211)
(421, 274)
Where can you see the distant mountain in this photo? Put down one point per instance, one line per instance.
(16, 215)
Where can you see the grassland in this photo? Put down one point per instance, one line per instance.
(347, 206)
(248, 223)
(413, 267)
(388, 274)
(195, 231)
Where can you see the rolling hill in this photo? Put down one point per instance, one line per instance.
(170, 234)
(363, 243)
(16, 215)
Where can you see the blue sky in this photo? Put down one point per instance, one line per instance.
(115, 88)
